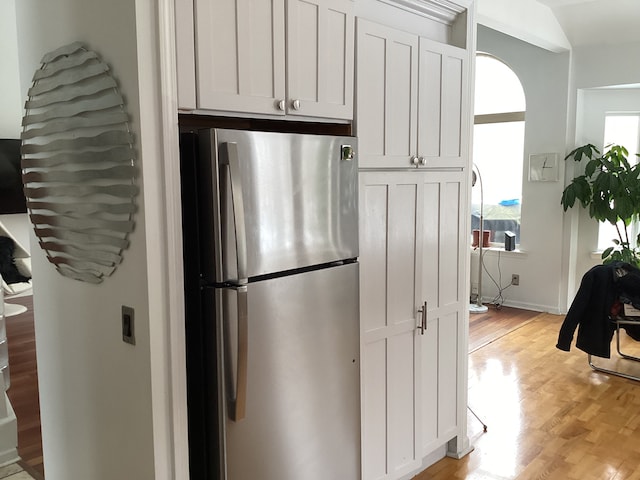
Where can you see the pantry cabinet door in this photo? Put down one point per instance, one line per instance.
(240, 55)
(441, 286)
(389, 205)
(320, 51)
(443, 112)
(386, 96)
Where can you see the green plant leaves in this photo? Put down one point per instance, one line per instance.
(610, 190)
(585, 150)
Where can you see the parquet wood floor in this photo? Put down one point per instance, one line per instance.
(549, 415)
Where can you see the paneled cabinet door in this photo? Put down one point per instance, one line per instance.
(441, 285)
(386, 95)
(240, 55)
(389, 209)
(320, 54)
(443, 108)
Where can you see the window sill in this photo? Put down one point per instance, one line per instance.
(497, 250)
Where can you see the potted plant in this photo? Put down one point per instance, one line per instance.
(610, 190)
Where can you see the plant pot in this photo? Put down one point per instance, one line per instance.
(485, 238)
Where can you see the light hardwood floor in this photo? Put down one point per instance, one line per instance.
(549, 415)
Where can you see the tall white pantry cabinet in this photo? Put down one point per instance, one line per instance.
(413, 120)
(412, 65)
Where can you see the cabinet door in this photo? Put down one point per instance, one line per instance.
(441, 286)
(320, 58)
(185, 54)
(240, 55)
(443, 111)
(390, 357)
(386, 95)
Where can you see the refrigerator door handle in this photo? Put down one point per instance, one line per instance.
(238, 406)
(237, 199)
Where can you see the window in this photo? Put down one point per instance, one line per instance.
(498, 147)
(620, 129)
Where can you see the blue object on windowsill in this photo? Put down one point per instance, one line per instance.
(509, 203)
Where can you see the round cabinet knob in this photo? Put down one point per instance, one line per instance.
(423, 161)
(281, 105)
(296, 104)
(414, 160)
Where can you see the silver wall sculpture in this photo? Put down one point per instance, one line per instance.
(78, 164)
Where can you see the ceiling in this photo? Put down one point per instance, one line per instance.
(588, 22)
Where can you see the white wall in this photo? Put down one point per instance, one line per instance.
(10, 104)
(102, 401)
(544, 76)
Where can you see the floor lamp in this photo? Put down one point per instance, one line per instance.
(478, 307)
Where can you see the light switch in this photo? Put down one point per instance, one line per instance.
(128, 331)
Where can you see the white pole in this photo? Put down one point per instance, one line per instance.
(479, 307)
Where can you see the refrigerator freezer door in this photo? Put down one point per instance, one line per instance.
(285, 201)
(302, 418)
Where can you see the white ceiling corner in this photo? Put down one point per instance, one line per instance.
(581, 22)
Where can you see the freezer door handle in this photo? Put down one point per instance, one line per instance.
(238, 406)
(237, 199)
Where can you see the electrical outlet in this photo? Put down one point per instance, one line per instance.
(515, 279)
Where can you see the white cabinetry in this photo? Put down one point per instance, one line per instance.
(389, 208)
(272, 57)
(413, 123)
(410, 234)
(441, 285)
(412, 97)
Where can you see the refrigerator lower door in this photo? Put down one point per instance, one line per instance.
(301, 417)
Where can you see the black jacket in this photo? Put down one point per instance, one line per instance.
(590, 310)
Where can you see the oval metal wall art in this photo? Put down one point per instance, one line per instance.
(78, 164)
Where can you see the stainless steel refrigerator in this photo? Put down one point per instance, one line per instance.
(271, 283)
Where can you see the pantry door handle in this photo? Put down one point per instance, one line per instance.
(423, 320)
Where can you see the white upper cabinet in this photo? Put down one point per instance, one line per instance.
(412, 98)
(320, 48)
(442, 105)
(274, 57)
(387, 66)
(240, 63)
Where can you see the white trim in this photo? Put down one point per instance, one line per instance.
(442, 11)
(178, 441)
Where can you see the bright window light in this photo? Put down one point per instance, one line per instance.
(620, 129)
(498, 147)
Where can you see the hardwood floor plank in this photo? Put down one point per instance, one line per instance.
(487, 327)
